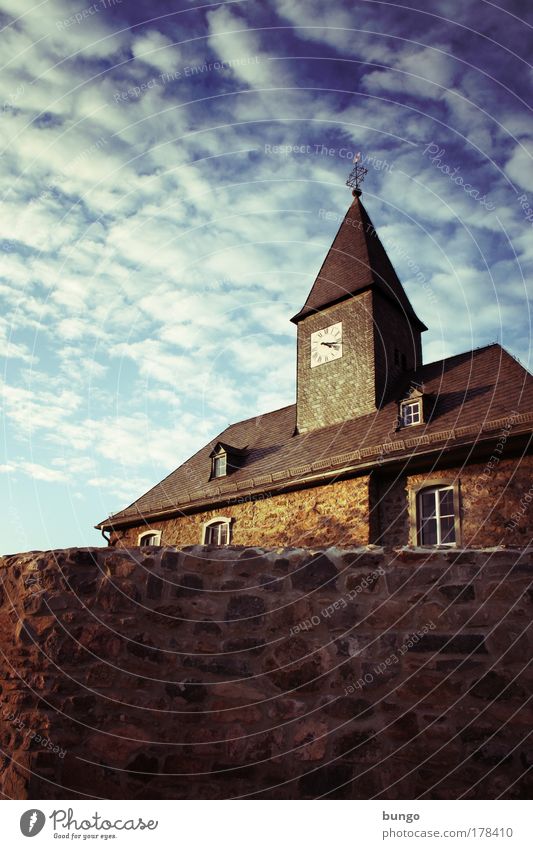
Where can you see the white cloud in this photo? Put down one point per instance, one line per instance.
(42, 473)
(35, 409)
(241, 50)
(120, 488)
(519, 166)
(12, 349)
(415, 71)
(35, 471)
(332, 23)
(155, 49)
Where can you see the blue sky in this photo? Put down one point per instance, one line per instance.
(171, 177)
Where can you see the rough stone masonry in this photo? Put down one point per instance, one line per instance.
(284, 673)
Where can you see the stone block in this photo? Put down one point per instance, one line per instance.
(154, 587)
(243, 607)
(318, 573)
(458, 593)
(251, 645)
(271, 584)
(331, 782)
(450, 644)
(187, 585)
(310, 739)
(495, 686)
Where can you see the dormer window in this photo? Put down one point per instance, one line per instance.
(414, 407)
(225, 459)
(411, 412)
(220, 465)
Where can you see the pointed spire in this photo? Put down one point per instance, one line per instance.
(356, 261)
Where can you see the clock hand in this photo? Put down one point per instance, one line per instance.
(330, 344)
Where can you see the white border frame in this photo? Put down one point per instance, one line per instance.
(414, 492)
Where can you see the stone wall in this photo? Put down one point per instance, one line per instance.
(286, 673)
(489, 498)
(335, 513)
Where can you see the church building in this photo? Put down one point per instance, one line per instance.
(379, 447)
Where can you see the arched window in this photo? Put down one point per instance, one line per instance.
(149, 538)
(437, 515)
(217, 531)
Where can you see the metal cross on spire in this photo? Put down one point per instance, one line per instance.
(357, 175)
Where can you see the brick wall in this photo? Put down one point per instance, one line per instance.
(326, 515)
(287, 673)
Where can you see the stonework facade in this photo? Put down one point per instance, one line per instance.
(378, 346)
(488, 499)
(325, 515)
(376, 509)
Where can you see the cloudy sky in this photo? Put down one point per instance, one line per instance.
(167, 170)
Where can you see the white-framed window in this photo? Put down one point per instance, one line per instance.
(217, 531)
(437, 515)
(220, 465)
(149, 538)
(411, 413)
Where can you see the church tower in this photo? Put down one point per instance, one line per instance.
(357, 331)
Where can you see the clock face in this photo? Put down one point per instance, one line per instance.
(326, 345)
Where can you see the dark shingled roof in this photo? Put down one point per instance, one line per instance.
(474, 393)
(356, 261)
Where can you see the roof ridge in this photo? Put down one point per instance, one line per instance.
(468, 351)
(250, 418)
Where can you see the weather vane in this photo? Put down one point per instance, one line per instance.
(357, 175)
